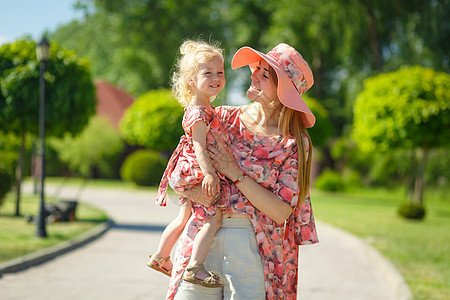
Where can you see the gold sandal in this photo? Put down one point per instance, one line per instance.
(156, 262)
(213, 280)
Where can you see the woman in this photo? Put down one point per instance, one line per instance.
(267, 213)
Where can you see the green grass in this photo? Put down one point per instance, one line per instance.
(419, 249)
(17, 237)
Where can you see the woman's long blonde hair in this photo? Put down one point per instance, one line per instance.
(290, 124)
(193, 53)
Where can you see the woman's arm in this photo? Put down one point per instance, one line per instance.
(264, 200)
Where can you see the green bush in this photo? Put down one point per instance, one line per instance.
(330, 180)
(153, 121)
(390, 168)
(352, 179)
(437, 171)
(6, 182)
(323, 129)
(412, 211)
(143, 167)
(98, 147)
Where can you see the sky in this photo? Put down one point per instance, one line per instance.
(33, 17)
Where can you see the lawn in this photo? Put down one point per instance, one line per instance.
(419, 249)
(17, 237)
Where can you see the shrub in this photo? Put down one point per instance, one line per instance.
(153, 121)
(351, 178)
(437, 171)
(330, 180)
(412, 211)
(97, 147)
(6, 182)
(143, 167)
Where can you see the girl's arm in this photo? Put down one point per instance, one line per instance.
(210, 184)
(264, 200)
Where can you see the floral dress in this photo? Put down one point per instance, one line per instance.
(183, 171)
(273, 163)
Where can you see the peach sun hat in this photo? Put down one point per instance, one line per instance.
(294, 75)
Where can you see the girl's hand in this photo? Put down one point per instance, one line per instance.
(222, 158)
(195, 194)
(210, 185)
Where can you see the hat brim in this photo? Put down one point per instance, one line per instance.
(287, 93)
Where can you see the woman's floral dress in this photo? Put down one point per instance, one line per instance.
(183, 171)
(273, 163)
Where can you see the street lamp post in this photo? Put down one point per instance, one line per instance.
(43, 54)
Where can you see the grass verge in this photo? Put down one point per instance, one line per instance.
(17, 237)
(418, 249)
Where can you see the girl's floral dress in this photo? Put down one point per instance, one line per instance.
(273, 163)
(183, 171)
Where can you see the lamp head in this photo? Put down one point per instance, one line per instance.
(43, 50)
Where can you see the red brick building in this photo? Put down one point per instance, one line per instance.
(111, 102)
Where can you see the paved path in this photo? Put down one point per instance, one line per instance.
(113, 266)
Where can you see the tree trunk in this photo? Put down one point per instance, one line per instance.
(317, 66)
(373, 37)
(34, 169)
(412, 177)
(420, 180)
(19, 170)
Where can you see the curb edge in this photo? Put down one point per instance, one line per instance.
(41, 256)
(384, 265)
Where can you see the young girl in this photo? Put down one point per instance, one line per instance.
(199, 77)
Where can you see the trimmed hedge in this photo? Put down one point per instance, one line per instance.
(143, 167)
(331, 181)
(412, 211)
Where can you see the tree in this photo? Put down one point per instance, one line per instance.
(322, 129)
(95, 147)
(406, 109)
(70, 94)
(153, 121)
(346, 41)
(143, 37)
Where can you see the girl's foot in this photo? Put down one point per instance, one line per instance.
(198, 275)
(160, 264)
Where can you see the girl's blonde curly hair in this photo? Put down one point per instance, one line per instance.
(193, 53)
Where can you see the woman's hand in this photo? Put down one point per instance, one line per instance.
(222, 158)
(195, 194)
(263, 199)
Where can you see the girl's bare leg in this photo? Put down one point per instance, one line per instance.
(173, 231)
(203, 242)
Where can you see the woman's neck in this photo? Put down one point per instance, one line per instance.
(262, 120)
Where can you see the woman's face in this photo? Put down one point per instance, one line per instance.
(262, 88)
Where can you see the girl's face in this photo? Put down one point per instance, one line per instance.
(209, 80)
(262, 88)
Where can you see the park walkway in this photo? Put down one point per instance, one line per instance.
(113, 266)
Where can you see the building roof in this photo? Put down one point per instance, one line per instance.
(111, 102)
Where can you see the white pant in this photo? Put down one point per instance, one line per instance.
(234, 255)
